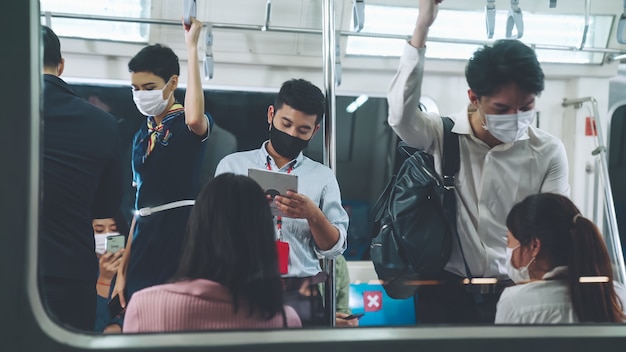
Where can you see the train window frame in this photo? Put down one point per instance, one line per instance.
(33, 327)
(448, 20)
(132, 32)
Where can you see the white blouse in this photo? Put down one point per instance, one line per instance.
(542, 302)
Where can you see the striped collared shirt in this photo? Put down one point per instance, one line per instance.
(315, 181)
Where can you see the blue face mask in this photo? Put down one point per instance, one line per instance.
(285, 144)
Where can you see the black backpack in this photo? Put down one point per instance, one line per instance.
(415, 219)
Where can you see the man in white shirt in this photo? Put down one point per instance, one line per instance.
(315, 224)
(503, 159)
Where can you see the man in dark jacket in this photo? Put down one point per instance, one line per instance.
(81, 181)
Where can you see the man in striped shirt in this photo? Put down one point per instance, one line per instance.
(315, 223)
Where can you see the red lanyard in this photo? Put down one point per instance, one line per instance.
(279, 219)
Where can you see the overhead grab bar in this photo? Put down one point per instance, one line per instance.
(490, 17)
(358, 14)
(615, 57)
(609, 205)
(314, 31)
(586, 29)
(621, 27)
(514, 20)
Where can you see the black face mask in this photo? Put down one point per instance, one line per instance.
(285, 144)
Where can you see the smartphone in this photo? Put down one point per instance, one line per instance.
(356, 316)
(115, 307)
(274, 183)
(114, 243)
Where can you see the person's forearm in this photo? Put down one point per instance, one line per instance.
(194, 96)
(103, 287)
(420, 33)
(427, 14)
(324, 233)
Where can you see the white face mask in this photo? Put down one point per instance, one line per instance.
(150, 102)
(101, 242)
(509, 128)
(517, 275)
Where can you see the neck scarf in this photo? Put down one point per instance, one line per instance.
(160, 133)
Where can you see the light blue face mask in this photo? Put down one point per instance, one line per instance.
(509, 128)
(517, 275)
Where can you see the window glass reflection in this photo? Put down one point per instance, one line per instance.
(94, 29)
(367, 156)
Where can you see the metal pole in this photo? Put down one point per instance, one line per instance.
(609, 204)
(596, 192)
(267, 28)
(328, 67)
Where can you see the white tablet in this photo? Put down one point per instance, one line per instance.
(274, 183)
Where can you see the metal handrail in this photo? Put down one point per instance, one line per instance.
(267, 28)
(601, 154)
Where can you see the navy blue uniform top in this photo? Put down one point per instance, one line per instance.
(82, 180)
(170, 173)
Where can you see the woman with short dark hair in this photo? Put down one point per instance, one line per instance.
(228, 276)
(562, 261)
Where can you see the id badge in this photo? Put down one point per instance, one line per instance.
(283, 256)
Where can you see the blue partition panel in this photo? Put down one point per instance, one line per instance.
(379, 308)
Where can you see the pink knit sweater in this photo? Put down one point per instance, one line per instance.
(194, 305)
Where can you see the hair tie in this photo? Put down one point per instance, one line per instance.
(576, 218)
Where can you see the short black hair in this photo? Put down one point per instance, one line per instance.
(506, 61)
(303, 96)
(51, 47)
(157, 59)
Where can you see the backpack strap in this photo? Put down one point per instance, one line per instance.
(451, 156)
(451, 161)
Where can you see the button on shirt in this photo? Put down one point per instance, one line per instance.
(542, 302)
(490, 180)
(315, 181)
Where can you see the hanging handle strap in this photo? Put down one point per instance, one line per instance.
(621, 27)
(451, 160)
(515, 19)
(189, 10)
(490, 17)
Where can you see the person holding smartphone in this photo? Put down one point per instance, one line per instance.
(343, 314)
(314, 224)
(108, 263)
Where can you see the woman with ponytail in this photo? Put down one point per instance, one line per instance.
(561, 265)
